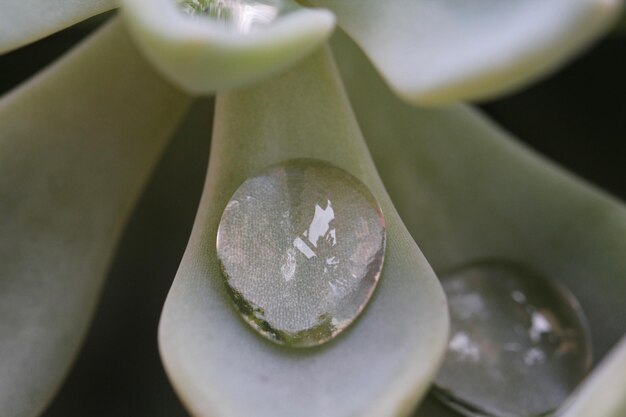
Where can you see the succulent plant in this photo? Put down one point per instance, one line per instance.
(79, 141)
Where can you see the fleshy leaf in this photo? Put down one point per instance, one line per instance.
(466, 191)
(76, 146)
(25, 21)
(203, 55)
(438, 51)
(383, 363)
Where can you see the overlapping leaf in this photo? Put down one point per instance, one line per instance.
(25, 21)
(76, 146)
(438, 51)
(204, 55)
(220, 367)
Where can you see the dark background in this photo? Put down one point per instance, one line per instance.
(577, 117)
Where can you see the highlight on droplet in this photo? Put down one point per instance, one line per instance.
(301, 245)
(240, 15)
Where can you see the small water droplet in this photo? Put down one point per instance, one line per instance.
(241, 15)
(519, 342)
(303, 278)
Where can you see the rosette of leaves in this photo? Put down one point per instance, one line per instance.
(79, 140)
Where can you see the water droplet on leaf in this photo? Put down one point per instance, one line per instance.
(240, 15)
(301, 246)
(519, 342)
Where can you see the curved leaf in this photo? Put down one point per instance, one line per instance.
(25, 21)
(466, 190)
(438, 51)
(202, 55)
(76, 146)
(383, 363)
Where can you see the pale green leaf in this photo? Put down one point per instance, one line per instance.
(203, 55)
(438, 51)
(25, 21)
(219, 366)
(76, 146)
(466, 190)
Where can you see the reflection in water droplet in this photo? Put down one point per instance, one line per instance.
(240, 15)
(519, 342)
(301, 246)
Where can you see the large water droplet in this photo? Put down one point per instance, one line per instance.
(301, 246)
(519, 342)
(240, 15)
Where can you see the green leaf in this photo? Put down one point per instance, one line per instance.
(203, 55)
(467, 190)
(25, 21)
(383, 363)
(76, 146)
(439, 51)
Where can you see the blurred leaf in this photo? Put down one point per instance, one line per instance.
(77, 143)
(439, 51)
(203, 55)
(466, 190)
(620, 27)
(25, 21)
(383, 363)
